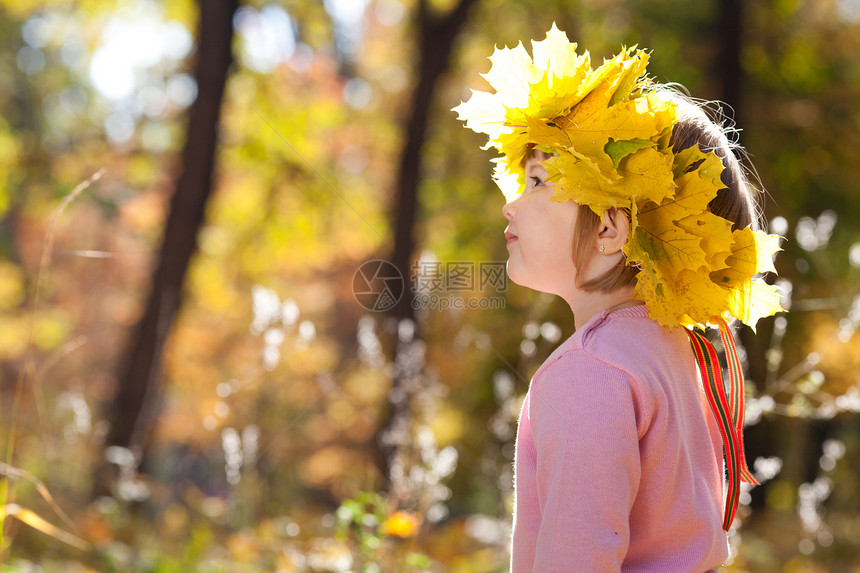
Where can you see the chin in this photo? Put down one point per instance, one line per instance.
(519, 277)
(530, 280)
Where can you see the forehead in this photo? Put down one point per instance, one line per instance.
(534, 157)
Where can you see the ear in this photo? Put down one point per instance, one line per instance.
(613, 230)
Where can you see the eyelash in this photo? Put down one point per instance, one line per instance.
(536, 180)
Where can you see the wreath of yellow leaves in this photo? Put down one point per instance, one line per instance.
(609, 131)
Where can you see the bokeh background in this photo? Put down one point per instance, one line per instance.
(189, 381)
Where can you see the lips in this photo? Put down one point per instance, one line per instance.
(510, 237)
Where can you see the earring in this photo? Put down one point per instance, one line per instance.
(600, 248)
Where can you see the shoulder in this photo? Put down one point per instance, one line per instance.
(630, 341)
(578, 392)
(575, 375)
(576, 362)
(618, 357)
(610, 344)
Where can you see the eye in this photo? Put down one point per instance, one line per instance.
(536, 181)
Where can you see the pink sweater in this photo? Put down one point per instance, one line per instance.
(618, 462)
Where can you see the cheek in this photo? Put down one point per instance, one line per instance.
(559, 228)
(551, 243)
(546, 230)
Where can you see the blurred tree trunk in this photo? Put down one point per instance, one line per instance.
(759, 438)
(135, 403)
(730, 34)
(436, 36)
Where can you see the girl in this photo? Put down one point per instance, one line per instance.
(626, 201)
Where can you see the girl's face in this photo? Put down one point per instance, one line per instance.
(540, 235)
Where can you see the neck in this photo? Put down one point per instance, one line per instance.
(586, 304)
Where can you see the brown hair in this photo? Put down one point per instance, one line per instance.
(734, 202)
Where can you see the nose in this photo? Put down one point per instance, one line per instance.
(510, 208)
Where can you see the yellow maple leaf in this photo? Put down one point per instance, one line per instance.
(513, 145)
(701, 301)
(675, 249)
(633, 78)
(716, 235)
(690, 302)
(692, 196)
(557, 56)
(751, 253)
(743, 260)
(649, 290)
(547, 134)
(578, 178)
(511, 75)
(508, 182)
(591, 129)
(600, 86)
(647, 176)
(753, 300)
(708, 165)
(484, 113)
(564, 71)
(767, 246)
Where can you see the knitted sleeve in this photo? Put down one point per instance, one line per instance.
(584, 424)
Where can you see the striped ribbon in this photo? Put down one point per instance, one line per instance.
(729, 414)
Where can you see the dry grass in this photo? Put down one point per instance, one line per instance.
(8, 507)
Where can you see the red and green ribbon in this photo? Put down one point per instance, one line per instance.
(729, 413)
